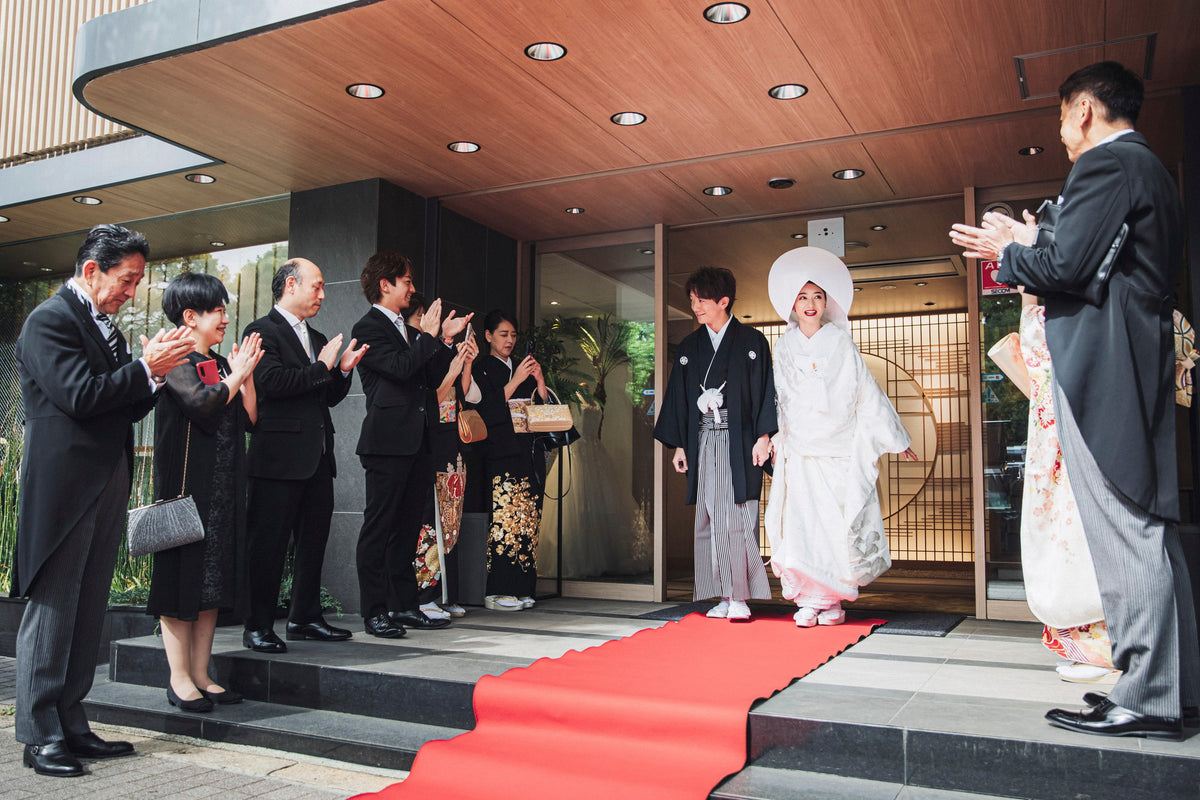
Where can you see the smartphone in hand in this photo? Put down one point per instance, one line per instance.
(209, 375)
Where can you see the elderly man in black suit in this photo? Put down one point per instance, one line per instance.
(290, 461)
(82, 393)
(400, 374)
(1113, 378)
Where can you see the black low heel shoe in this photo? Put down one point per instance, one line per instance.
(225, 698)
(200, 704)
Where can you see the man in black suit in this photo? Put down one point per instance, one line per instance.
(1113, 380)
(82, 392)
(290, 460)
(400, 374)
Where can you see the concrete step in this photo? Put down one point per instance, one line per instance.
(353, 738)
(765, 783)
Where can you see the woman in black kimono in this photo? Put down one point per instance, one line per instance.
(200, 421)
(516, 470)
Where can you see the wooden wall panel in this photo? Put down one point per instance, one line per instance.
(37, 50)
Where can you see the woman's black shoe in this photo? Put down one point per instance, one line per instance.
(200, 704)
(225, 698)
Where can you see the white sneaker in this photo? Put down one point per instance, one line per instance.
(831, 616)
(527, 602)
(719, 611)
(806, 617)
(502, 602)
(738, 611)
(434, 611)
(455, 610)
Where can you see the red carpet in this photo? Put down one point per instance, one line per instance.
(660, 714)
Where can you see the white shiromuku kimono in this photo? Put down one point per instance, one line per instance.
(823, 516)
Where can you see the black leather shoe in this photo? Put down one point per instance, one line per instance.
(90, 745)
(417, 619)
(1110, 719)
(320, 630)
(264, 641)
(381, 625)
(200, 705)
(225, 698)
(52, 759)
(1191, 714)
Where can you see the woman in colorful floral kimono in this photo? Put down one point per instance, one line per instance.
(515, 469)
(1060, 579)
(823, 515)
(436, 567)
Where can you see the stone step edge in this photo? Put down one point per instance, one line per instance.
(375, 742)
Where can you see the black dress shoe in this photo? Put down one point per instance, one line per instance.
(264, 641)
(225, 698)
(1110, 719)
(89, 745)
(1191, 714)
(417, 619)
(381, 625)
(320, 630)
(200, 705)
(52, 759)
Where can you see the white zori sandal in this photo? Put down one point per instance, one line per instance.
(831, 616)
(720, 610)
(806, 617)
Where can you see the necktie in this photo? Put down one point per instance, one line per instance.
(403, 330)
(112, 337)
(305, 342)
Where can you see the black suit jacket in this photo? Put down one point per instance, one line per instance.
(1115, 361)
(400, 381)
(80, 405)
(294, 397)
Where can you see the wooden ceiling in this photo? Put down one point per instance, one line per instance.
(922, 96)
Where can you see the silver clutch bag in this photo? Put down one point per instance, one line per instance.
(166, 523)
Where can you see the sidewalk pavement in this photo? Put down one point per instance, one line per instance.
(170, 766)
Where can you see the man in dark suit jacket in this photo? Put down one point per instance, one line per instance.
(82, 392)
(1113, 366)
(400, 374)
(290, 461)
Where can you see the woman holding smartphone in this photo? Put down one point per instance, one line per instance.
(515, 470)
(207, 404)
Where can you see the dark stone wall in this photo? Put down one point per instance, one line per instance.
(465, 263)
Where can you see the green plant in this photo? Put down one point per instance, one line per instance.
(607, 347)
(328, 601)
(562, 378)
(11, 442)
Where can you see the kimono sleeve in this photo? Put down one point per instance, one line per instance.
(671, 427)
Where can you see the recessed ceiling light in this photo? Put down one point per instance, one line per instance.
(858, 288)
(463, 147)
(887, 287)
(726, 13)
(84, 199)
(848, 174)
(553, 302)
(216, 244)
(646, 251)
(545, 51)
(1032, 150)
(573, 210)
(628, 118)
(921, 283)
(930, 303)
(781, 183)
(365, 91)
(799, 235)
(718, 191)
(856, 245)
(199, 177)
(589, 316)
(46, 269)
(745, 316)
(3, 218)
(788, 91)
(879, 227)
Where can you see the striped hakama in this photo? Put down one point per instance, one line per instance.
(728, 563)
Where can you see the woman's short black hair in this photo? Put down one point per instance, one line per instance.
(193, 290)
(495, 317)
(416, 303)
(712, 283)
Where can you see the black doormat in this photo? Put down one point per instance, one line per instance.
(899, 623)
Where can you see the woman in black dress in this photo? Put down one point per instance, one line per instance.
(516, 470)
(200, 421)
